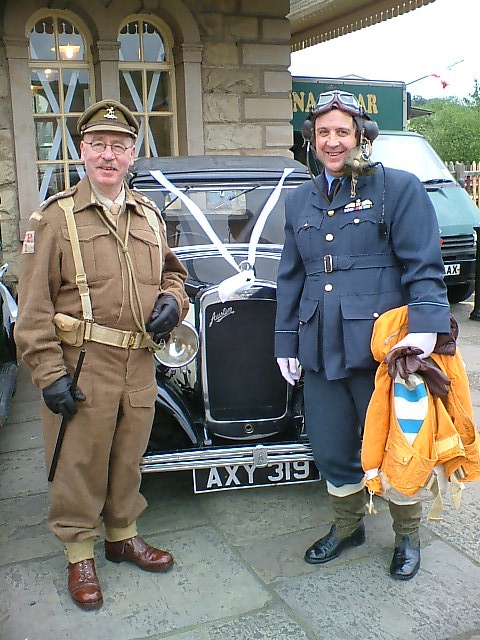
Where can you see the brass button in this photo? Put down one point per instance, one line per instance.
(329, 287)
(331, 212)
(329, 237)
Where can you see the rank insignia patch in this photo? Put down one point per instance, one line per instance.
(29, 242)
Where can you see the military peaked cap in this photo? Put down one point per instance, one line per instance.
(108, 115)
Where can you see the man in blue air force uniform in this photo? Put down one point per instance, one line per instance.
(360, 240)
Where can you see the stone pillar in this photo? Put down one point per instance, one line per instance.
(19, 197)
(105, 69)
(188, 60)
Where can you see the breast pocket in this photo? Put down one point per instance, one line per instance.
(309, 236)
(98, 250)
(359, 232)
(146, 255)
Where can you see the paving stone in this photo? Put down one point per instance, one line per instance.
(361, 601)
(206, 584)
(271, 624)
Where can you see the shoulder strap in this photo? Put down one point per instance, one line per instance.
(152, 220)
(81, 277)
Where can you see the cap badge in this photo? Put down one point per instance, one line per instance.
(110, 113)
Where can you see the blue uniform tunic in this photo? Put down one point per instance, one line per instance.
(343, 264)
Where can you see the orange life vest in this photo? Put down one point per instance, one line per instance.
(447, 436)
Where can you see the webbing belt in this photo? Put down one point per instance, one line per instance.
(94, 332)
(115, 337)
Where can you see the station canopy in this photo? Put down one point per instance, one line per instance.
(315, 21)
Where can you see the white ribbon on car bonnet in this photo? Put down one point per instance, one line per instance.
(245, 277)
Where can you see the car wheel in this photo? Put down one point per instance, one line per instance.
(460, 292)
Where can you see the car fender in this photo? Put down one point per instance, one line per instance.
(172, 401)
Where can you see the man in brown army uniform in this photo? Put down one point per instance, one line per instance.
(97, 274)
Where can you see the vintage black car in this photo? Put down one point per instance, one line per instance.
(223, 410)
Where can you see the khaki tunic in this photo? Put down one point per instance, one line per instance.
(97, 477)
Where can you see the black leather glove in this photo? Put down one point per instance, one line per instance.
(165, 316)
(58, 397)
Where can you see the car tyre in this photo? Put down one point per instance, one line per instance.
(460, 292)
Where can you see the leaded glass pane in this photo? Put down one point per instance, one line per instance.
(44, 83)
(48, 138)
(51, 179)
(75, 82)
(131, 89)
(153, 47)
(159, 136)
(42, 40)
(158, 93)
(75, 173)
(72, 139)
(70, 42)
(129, 43)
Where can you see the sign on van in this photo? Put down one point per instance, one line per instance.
(385, 102)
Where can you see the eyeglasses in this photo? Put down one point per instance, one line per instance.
(117, 148)
(339, 99)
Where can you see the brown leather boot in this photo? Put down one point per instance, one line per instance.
(140, 553)
(83, 584)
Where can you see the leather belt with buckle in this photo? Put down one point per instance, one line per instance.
(328, 263)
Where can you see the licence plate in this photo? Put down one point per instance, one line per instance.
(452, 269)
(245, 476)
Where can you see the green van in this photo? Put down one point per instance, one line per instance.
(456, 212)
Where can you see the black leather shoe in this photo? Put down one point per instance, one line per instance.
(405, 561)
(330, 547)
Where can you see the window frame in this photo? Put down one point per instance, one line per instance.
(145, 114)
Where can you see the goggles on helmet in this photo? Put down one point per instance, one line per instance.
(337, 100)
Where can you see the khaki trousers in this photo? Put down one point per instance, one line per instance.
(98, 478)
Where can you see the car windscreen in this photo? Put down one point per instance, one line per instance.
(412, 154)
(232, 211)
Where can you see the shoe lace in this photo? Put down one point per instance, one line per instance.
(84, 570)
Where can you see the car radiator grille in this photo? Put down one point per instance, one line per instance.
(458, 247)
(241, 380)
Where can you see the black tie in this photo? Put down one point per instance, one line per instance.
(333, 188)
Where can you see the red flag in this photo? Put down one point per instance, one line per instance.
(444, 82)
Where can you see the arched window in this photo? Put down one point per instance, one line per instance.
(147, 85)
(60, 85)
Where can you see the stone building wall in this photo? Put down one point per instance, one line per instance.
(245, 79)
(10, 244)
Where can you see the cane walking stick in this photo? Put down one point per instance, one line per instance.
(63, 425)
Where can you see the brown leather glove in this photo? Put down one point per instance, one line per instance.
(403, 361)
(447, 342)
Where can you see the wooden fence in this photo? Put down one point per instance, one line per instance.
(469, 176)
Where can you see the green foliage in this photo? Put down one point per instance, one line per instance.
(453, 128)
